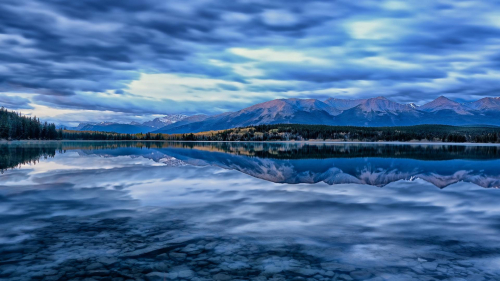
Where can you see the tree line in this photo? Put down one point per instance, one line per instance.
(14, 126)
(297, 132)
(94, 135)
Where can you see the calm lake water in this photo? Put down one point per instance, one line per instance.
(248, 211)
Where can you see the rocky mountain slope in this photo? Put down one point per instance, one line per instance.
(372, 112)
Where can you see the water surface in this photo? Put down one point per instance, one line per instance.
(248, 211)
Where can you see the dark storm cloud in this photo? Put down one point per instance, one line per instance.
(14, 102)
(322, 74)
(135, 105)
(58, 49)
(228, 87)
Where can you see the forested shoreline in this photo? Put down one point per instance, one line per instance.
(93, 135)
(14, 126)
(297, 132)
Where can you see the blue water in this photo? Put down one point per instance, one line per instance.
(248, 211)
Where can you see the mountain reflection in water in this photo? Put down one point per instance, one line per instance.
(372, 164)
(229, 211)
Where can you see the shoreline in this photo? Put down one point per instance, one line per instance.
(298, 142)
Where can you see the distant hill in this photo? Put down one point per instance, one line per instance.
(373, 112)
(118, 128)
(132, 128)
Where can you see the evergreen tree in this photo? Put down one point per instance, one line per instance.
(16, 127)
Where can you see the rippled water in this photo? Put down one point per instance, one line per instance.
(248, 211)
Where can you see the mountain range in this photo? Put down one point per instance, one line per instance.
(372, 112)
(133, 127)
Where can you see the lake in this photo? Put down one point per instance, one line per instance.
(248, 211)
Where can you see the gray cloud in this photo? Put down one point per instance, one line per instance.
(58, 50)
(136, 105)
(322, 74)
(14, 102)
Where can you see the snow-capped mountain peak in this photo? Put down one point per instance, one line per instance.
(165, 120)
(171, 118)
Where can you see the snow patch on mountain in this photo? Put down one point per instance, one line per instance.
(161, 122)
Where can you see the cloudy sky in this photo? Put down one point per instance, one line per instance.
(125, 60)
